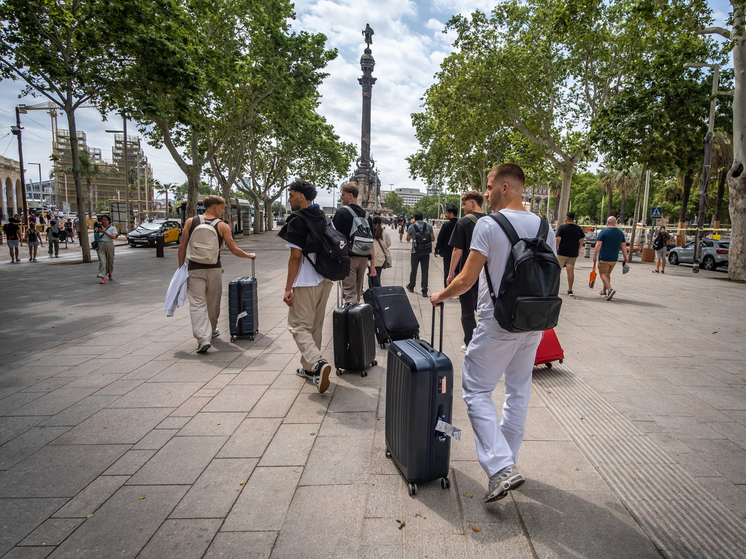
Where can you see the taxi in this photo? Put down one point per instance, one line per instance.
(145, 233)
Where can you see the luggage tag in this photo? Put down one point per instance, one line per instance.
(449, 430)
(240, 316)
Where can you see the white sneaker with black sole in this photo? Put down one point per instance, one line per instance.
(503, 481)
(203, 347)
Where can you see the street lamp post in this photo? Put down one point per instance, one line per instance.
(16, 130)
(708, 158)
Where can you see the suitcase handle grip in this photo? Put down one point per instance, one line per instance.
(432, 330)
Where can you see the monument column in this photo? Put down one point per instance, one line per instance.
(367, 63)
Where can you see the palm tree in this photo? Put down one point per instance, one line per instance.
(722, 159)
(606, 183)
(625, 183)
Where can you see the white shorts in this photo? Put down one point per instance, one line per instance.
(661, 253)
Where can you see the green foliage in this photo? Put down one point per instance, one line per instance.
(428, 205)
(394, 202)
(586, 197)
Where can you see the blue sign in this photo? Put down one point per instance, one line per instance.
(656, 212)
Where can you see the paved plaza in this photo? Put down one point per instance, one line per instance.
(118, 440)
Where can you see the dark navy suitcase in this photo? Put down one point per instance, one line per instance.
(354, 338)
(419, 392)
(242, 298)
(393, 316)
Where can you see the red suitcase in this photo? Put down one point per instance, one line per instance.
(549, 350)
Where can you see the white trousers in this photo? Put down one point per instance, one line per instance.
(491, 355)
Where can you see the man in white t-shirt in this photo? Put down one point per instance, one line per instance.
(306, 291)
(493, 351)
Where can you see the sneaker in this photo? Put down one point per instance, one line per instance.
(503, 481)
(301, 372)
(569, 292)
(103, 280)
(611, 294)
(35, 260)
(30, 259)
(463, 348)
(111, 278)
(321, 376)
(603, 294)
(424, 293)
(202, 347)
(216, 332)
(410, 288)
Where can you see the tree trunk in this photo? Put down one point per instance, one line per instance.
(79, 194)
(622, 215)
(636, 214)
(257, 221)
(268, 214)
(564, 198)
(722, 177)
(608, 211)
(681, 233)
(736, 175)
(195, 171)
(88, 188)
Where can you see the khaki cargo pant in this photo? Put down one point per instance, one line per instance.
(204, 290)
(306, 321)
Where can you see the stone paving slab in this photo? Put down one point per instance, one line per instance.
(116, 439)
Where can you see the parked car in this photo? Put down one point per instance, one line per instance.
(714, 254)
(145, 233)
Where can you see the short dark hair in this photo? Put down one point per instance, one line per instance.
(452, 210)
(571, 215)
(509, 171)
(304, 187)
(417, 216)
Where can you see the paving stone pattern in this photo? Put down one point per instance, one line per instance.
(118, 440)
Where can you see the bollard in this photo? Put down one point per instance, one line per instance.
(588, 251)
(159, 245)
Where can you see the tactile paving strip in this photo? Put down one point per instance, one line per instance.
(681, 518)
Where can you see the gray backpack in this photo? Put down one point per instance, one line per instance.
(361, 237)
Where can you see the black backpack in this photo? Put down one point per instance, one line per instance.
(423, 244)
(332, 254)
(528, 299)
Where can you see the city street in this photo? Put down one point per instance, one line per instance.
(118, 440)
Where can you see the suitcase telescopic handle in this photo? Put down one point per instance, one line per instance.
(253, 268)
(432, 330)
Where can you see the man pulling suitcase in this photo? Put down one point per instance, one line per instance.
(496, 351)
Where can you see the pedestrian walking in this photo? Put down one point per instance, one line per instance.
(12, 235)
(306, 291)
(569, 242)
(659, 246)
(33, 239)
(382, 258)
(493, 351)
(422, 236)
(53, 239)
(471, 204)
(354, 223)
(69, 234)
(106, 235)
(442, 245)
(202, 237)
(610, 241)
(402, 221)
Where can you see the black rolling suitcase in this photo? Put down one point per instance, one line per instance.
(243, 306)
(354, 338)
(419, 392)
(393, 316)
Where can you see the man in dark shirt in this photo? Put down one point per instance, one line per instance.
(569, 241)
(442, 248)
(11, 230)
(352, 285)
(471, 203)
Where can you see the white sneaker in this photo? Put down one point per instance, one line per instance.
(202, 347)
(503, 481)
(463, 348)
(216, 332)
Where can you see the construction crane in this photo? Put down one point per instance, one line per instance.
(52, 108)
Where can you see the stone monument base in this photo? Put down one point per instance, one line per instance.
(369, 185)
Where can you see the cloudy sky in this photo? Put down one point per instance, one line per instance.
(408, 46)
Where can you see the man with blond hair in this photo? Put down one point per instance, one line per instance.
(348, 220)
(205, 283)
(471, 204)
(495, 352)
(610, 240)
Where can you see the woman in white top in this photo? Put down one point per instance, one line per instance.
(106, 235)
(382, 242)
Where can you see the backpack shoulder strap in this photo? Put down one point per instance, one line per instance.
(543, 230)
(506, 226)
(473, 218)
(353, 212)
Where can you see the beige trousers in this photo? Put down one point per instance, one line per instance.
(352, 285)
(204, 290)
(306, 321)
(105, 259)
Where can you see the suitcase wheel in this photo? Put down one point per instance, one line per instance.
(339, 372)
(445, 483)
(251, 337)
(383, 346)
(412, 489)
(561, 361)
(549, 365)
(376, 362)
(363, 373)
(233, 339)
(388, 454)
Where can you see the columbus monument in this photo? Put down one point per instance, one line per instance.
(365, 175)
